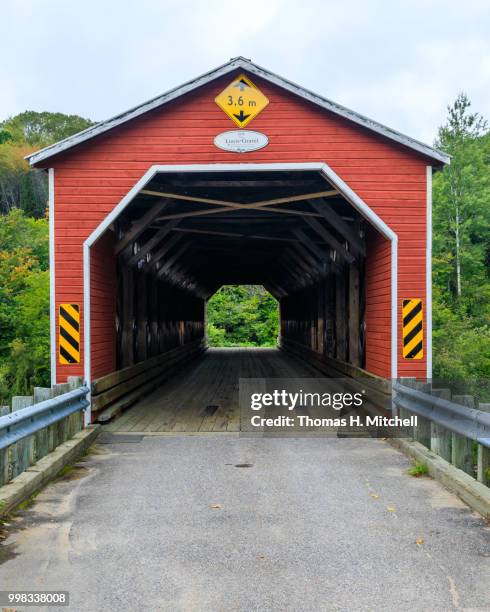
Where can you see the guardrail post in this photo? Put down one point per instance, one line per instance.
(440, 437)
(22, 454)
(4, 453)
(75, 420)
(42, 437)
(407, 382)
(60, 433)
(462, 451)
(483, 461)
(422, 433)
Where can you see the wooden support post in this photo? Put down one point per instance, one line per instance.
(321, 317)
(127, 281)
(22, 454)
(440, 437)
(461, 451)
(340, 318)
(153, 315)
(312, 307)
(162, 328)
(4, 463)
(483, 459)
(141, 317)
(354, 318)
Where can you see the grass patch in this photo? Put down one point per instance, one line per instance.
(64, 471)
(418, 469)
(28, 501)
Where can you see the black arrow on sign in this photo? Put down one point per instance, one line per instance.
(241, 84)
(241, 117)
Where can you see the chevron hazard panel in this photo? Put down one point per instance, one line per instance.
(412, 329)
(69, 334)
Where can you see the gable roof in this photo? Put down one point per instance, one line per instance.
(231, 66)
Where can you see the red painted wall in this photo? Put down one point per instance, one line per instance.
(92, 178)
(103, 305)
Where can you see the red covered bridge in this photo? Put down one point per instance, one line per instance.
(155, 209)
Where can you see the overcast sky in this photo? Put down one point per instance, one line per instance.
(399, 65)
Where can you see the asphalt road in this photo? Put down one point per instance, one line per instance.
(171, 523)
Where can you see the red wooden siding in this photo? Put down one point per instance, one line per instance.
(92, 178)
(103, 305)
(378, 304)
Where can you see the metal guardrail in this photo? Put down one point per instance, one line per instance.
(27, 421)
(468, 422)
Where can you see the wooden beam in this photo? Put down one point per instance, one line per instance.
(243, 183)
(164, 249)
(274, 290)
(289, 273)
(330, 239)
(308, 270)
(180, 251)
(140, 225)
(232, 234)
(305, 254)
(214, 211)
(356, 244)
(261, 203)
(309, 244)
(156, 239)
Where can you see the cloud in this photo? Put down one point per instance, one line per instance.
(399, 63)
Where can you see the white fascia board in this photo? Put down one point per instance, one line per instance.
(428, 287)
(52, 277)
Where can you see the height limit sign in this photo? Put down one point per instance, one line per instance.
(241, 101)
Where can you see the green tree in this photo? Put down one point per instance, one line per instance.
(21, 186)
(41, 129)
(461, 249)
(24, 303)
(242, 315)
(462, 193)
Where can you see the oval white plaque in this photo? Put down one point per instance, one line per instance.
(241, 141)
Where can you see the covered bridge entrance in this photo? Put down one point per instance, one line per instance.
(154, 210)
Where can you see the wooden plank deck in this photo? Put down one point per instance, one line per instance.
(180, 404)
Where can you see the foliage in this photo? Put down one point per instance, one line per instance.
(41, 129)
(24, 304)
(242, 315)
(461, 250)
(20, 186)
(418, 469)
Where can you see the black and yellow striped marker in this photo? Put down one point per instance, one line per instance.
(412, 329)
(69, 325)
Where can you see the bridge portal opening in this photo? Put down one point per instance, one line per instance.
(185, 236)
(242, 316)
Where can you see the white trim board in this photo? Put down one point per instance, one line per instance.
(320, 167)
(52, 277)
(428, 271)
(239, 63)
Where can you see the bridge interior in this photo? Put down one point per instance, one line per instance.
(185, 235)
(203, 396)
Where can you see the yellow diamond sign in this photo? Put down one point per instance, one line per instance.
(241, 101)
